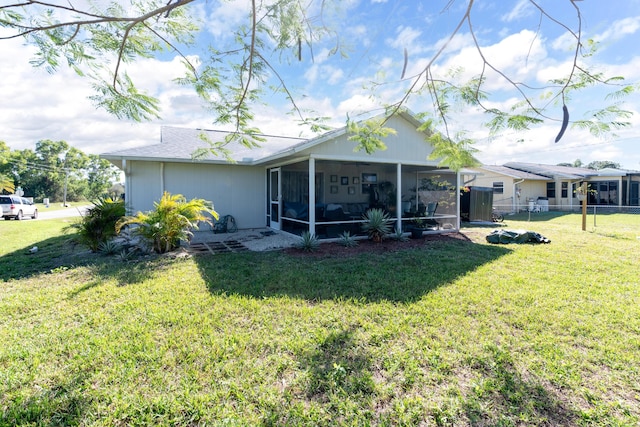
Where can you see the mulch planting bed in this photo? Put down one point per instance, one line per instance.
(335, 249)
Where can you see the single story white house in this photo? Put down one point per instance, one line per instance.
(523, 186)
(320, 184)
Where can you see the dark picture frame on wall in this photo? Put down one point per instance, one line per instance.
(344, 180)
(355, 180)
(352, 190)
(334, 178)
(333, 189)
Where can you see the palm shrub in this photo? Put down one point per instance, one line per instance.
(376, 224)
(6, 183)
(98, 225)
(170, 222)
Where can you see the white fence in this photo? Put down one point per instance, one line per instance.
(591, 209)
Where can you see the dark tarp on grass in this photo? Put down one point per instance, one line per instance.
(516, 236)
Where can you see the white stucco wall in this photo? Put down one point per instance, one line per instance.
(143, 184)
(406, 146)
(511, 200)
(236, 190)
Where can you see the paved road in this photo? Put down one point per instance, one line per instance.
(44, 213)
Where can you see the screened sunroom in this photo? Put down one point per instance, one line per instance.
(329, 197)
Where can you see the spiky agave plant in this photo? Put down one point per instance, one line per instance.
(399, 236)
(347, 240)
(170, 222)
(376, 224)
(309, 242)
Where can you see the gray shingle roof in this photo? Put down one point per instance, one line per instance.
(514, 173)
(537, 171)
(179, 144)
(552, 171)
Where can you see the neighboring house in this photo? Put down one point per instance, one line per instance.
(320, 184)
(526, 186)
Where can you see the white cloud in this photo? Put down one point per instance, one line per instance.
(566, 42)
(455, 43)
(322, 56)
(356, 104)
(334, 75)
(537, 146)
(225, 19)
(522, 9)
(554, 71)
(312, 73)
(518, 56)
(619, 29)
(630, 70)
(326, 74)
(405, 38)
(156, 76)
(57, 107)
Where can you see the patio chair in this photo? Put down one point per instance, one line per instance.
(431, 211)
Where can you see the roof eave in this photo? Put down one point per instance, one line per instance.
(112, 157)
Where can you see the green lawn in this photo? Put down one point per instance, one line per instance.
(456, 333)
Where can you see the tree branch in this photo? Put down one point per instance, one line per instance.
(499, 72)
(433, 59)
(252, 50)
(100, 19)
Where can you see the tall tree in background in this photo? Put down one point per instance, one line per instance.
(603, 164)
(41, 173)
(576, 164)
(99, 40)
(57, 171)
(6, 178)
(596, 165)
(101, 176)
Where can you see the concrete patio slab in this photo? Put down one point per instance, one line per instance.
(254, 239)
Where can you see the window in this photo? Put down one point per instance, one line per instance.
(565, 190)
(498, 187)
(551, 190)
(607, 193)
(634, 198)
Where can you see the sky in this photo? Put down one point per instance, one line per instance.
(375, 34)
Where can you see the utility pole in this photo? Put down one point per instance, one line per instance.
(66, 182)
(584, 206)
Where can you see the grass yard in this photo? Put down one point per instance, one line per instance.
(456, 333)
